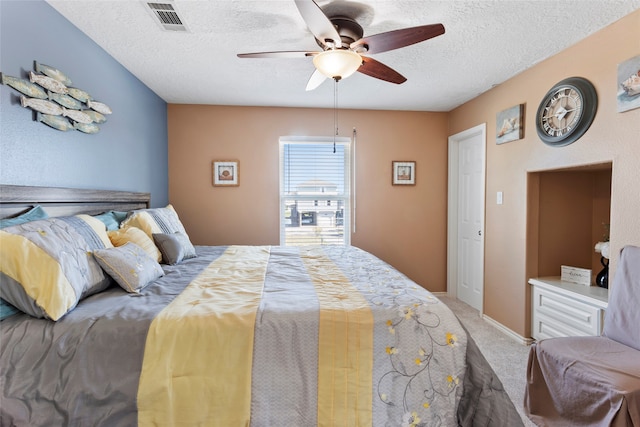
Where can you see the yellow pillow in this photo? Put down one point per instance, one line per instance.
(155, 221)
(137, 236)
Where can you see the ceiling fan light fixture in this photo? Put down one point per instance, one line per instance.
(337, 63)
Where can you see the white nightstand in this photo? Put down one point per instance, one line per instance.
(562, 309)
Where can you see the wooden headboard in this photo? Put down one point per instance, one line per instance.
(58, 201)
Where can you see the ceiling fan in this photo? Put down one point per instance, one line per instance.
(343, 46)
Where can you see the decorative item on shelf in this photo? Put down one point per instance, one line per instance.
(403, 173)
(602, 279)
(226, 173)
(510, 124)
(49, 94)
(581, 276)
(629, 84)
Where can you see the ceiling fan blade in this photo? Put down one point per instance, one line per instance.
(318, 23)
(281, 54)
(377, 69)
(316, 79)
(398, 38)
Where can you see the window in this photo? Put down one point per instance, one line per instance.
(314, 191)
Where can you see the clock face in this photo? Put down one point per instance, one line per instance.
(562, 111)
(566, 111)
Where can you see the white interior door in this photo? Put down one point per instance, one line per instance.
(466, 216)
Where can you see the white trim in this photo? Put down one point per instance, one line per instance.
(452, 205)
(507, 331)
(439, 294)
(452, 215)
(315, 139)
(353, 181)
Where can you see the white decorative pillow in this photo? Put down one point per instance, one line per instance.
(129, 265)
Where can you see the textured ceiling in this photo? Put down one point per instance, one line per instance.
(486, 42)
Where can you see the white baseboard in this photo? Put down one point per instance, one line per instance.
(499, 326)
(507, 331)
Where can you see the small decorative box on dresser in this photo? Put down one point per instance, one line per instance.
(562, 309)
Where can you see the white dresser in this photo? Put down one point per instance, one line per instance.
(562, 309)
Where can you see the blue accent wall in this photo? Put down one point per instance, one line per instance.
(131, 150)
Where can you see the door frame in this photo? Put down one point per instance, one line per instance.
(452, 206)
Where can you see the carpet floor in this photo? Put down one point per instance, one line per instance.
(507, 357)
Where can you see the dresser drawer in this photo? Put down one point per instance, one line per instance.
(559, 315)
(548, 327)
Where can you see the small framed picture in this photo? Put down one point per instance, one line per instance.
(509, 124)
(404, 173)
(629, 84)
(226, 173)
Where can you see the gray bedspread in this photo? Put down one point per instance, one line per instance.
(424, 369)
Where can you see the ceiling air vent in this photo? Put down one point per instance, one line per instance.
(166, 15)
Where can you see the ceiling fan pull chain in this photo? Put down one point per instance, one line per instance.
(335, 111)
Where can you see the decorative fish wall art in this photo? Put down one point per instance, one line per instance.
(95, 116)
(23, 86)
(41, 105)
(52, 72)
(48, 92)
(56, 122)
(65, 101)
(48, 83)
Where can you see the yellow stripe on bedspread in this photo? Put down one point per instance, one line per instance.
(345, 347)
(189, 377)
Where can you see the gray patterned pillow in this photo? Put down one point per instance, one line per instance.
(46, 266)
(156, 220)
(175, 247)
(129, 265)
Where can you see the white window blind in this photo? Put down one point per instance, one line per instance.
(314, 191)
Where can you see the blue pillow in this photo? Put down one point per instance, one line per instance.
(112, 219)
(7, 309)
(33, 214)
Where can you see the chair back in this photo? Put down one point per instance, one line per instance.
(622, 317)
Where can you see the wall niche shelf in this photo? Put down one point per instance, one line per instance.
(568, 212)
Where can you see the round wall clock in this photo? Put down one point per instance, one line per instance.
(566, 111)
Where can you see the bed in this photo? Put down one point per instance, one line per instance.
(218, 335)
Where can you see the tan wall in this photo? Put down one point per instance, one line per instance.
(612, 137)
(411, 233)
(403, 225)
(572, 208)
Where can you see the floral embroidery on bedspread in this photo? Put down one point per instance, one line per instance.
(419, 345)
